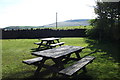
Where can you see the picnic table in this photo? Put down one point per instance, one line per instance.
(49, 42)
(60, 56)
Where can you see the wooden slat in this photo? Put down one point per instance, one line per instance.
(49, 39)
(32, 61)
(77, 66)
(39, 43)
(58, 52)
(61, 43)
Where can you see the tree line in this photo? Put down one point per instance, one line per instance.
(107, 23)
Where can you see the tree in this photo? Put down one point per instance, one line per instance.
(107, 23)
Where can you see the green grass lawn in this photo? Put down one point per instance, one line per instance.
(105, 66)
(69, 27)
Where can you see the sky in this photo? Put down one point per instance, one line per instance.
(42, 12)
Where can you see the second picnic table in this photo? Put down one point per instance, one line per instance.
(49, 42)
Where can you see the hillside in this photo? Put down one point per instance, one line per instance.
(22, 27)
(75, 22)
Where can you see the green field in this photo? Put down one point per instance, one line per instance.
(64, 28)
(105, 66)
(72, 27)
(67, 27)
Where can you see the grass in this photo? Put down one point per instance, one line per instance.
(70, 27)
(105, 66)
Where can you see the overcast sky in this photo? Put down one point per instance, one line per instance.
(41, 12)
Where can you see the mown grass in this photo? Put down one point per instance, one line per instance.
(105, 66)
(69, 27)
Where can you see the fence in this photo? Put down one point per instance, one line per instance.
(41, 33)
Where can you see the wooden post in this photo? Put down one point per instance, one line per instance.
(56, 20)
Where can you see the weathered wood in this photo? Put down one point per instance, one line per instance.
(40, 66)
(49, 39)
(57, 55)
(57, 44)
(58, 52)
(77, 55)
(32, 61)
(77, 66)
(39, 43)
(47, 42)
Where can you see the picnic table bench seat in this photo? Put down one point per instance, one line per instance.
(51, 45)
(77, 66)
(39, 43)
(57, 44)
(32, 61)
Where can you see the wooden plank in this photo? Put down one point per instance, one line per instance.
(53, 45)
(77, 66)
(39, 43)
(49, 39)
(58, 52)
(32, 61)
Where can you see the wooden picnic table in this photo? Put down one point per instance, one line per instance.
(57, 55)
(60, 56)
(49, 42)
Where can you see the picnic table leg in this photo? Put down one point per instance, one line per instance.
(46, 45)
(39, 67)
(78, 55)
(40, 45)
(58, 40)
(52, 42)
(59, 63)
(67, 58)
(84, 69)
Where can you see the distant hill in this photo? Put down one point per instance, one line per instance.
(74, 22)
(22, 27)
(77, 20)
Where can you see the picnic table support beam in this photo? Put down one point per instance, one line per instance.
(39, 67)
(58, 41)
(67, 58)
(40, 45)
(51, 42)
(48, 43)
(77, 55)
(59, 63)
(84, 69)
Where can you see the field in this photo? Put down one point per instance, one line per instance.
(105, 66)
(34, 28)
(69, 27)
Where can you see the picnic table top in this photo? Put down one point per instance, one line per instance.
(48, 39)
(58, 52)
